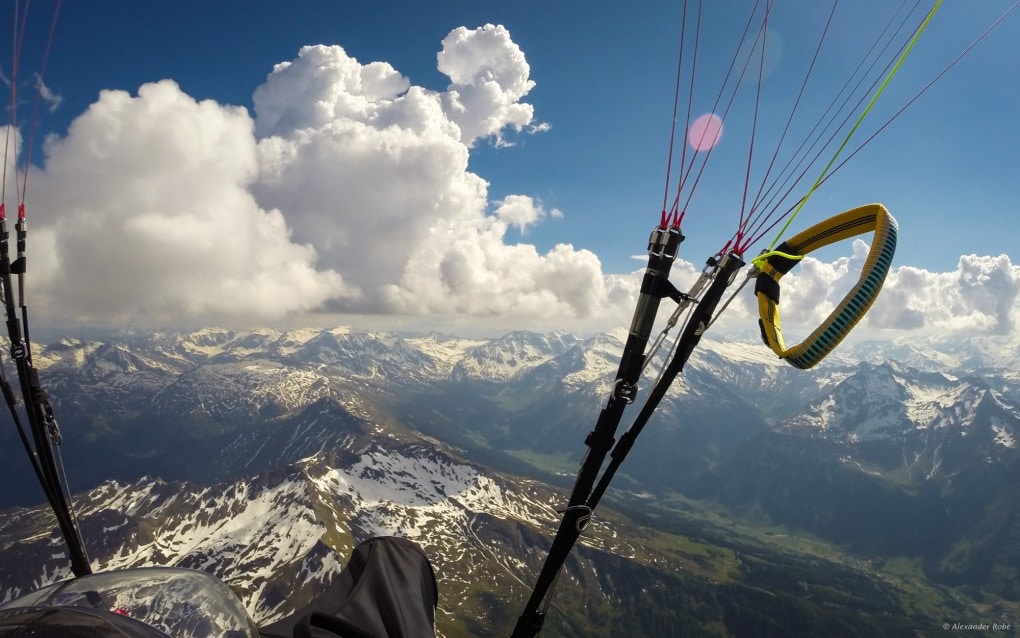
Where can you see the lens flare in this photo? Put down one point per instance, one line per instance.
(705, 132)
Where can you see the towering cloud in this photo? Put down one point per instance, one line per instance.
(489, 77)
(349, 190)
(374, 173)
(149, 219)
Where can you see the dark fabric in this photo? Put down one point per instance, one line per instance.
(387, 590)
(765, 284)
(784, 264)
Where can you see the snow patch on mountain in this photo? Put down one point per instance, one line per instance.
(293, 341)
(600, 361)
(67, 352)
(387, 491)
(866, 406)
(1004, 434)
(740, 353)
(446, 351)
(252, 532)
(510, 356)
(927, 405)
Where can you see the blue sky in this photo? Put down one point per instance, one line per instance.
(593, 155)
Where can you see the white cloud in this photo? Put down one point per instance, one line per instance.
(148, 219)
(980, 296)
(489, 76)
(373, 172)
(464, 268)
(349, 191)
(364, 175)
(47, 96)
(324, 85)
(522, 211)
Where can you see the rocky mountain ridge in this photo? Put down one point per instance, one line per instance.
(923, 452)
(278, 537)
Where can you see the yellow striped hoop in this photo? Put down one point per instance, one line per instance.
(775, 264)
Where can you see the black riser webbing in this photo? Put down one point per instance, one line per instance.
(662, 250)
(696, 326)
(40, 419)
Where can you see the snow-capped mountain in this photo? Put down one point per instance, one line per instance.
(512, 397)
(890, 460)
(942, 354)
(335, 435)
(923, 412)
(278, 537)
(506, 358)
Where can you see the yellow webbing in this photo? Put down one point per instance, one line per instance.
(773, 265)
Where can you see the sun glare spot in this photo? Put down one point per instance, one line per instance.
(705, 132)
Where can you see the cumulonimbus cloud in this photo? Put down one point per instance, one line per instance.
(146, 217)
(338, 193)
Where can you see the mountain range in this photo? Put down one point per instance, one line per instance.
(263, 456)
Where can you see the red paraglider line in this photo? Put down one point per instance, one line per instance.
(789, 120)
(707, 155)
(690, 94)
(19, 27)
(35, 110)
(763, 220)
(15, 42)
(676, 103)
(754, 118)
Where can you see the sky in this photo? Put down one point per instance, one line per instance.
(469, 166)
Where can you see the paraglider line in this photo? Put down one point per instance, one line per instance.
(853, 129)
(676, 103)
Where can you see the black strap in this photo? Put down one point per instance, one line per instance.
(698, 322)
(40, 415)
(663, 246)
(577, 514)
